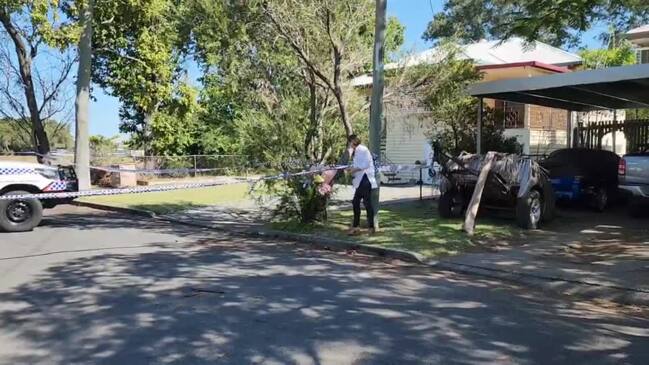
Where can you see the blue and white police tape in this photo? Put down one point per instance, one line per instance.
(383, 167)
(156, 171)
(181, 186)
(168, 187)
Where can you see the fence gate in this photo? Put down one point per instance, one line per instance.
(636, 133)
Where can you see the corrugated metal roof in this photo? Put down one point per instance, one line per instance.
(622, 87)
(642, 29)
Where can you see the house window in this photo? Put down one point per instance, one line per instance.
(512, 114)
(642, 55)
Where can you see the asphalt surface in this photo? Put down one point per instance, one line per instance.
(100, 288)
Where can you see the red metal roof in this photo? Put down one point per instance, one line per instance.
(535, 64)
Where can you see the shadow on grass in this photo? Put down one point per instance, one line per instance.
(413, 226)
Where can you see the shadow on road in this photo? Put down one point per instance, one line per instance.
(230, 300)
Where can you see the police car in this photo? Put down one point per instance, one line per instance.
(16, 178)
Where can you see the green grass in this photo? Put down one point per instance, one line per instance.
(176, 200)
(413, 226)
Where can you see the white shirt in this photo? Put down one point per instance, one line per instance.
(363, 160)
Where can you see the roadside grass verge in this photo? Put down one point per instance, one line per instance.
(177, 200)
(413, 226)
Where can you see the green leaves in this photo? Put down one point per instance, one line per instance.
(556, 22)
(615, 56)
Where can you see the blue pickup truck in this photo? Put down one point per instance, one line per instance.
(582, 175)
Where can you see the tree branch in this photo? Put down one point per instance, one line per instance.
(135, 59)
(65, 73)
(301, 53)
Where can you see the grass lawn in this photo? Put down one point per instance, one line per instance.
(171, 201)
(414, 227)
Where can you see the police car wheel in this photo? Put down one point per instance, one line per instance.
(20, 215)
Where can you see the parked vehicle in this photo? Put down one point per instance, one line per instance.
(17, 178)
(514, 182)
(633, 172)
(583, 175)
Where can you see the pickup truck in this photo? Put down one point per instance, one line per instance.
(18, 178)
(585, 175)
(633, 172)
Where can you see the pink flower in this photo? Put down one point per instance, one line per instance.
(324, 189)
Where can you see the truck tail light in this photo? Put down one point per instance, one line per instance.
(621, 167)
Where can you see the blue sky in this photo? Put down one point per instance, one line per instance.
(414, 14)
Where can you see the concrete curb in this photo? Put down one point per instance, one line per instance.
(552, 284)
(580, 289)
(321, 242)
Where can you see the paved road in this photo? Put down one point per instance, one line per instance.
(97, 288)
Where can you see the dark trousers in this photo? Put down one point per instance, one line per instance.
(364, 193)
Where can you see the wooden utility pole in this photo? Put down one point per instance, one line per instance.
(376, 106)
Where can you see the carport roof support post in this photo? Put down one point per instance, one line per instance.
(479, 128)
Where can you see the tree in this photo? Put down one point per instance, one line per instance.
(608, 57)
(283, 68)
(14, 139)
(441, 89)
(557, 22)
(30, 27)
(137, 57)
(101, 146)
(173, 131)
(329, 38)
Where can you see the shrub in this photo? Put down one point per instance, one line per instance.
(302, 198)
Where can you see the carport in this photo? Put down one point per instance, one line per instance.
(625, 87)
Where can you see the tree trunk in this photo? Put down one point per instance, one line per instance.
(338, 93)
(42, 144)
(311, 140)
(376, 109)
(146, 134)
(82, 102)
(342, 106)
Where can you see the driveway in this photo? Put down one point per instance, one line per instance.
(99, 288)
(609, 252)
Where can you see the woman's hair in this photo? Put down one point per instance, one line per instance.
(353, 139)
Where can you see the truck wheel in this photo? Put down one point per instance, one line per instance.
(600, 199)
(451, 204)
(20, 215)
(529, 210)
(549, 208)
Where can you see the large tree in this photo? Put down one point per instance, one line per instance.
(557, 22)
(33, 28)
(137, 57)
(278, 74)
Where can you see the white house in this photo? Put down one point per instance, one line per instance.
(639, 37)
(539, 129)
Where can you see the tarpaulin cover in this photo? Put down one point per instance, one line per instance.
(513, 170)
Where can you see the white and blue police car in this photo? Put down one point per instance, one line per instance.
(17, 178)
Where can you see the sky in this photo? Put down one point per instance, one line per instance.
(414, 14)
